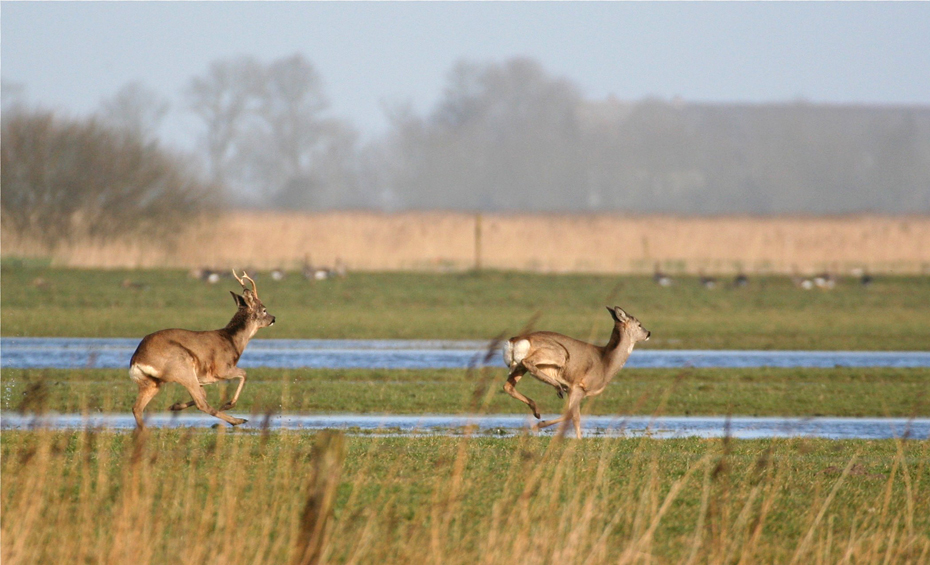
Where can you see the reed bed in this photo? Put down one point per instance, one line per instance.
(438, 241)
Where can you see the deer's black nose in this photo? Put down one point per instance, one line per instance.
(648, 335)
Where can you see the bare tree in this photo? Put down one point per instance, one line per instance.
(504, 136)
(65, 178)
(330, 179)
(225, 98)
(508, 136)
(289, 133)
(137, 109)
(388, 165)
(267, 135)
(12, 94)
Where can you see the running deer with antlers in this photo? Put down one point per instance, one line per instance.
(571, 366)
(196, 358)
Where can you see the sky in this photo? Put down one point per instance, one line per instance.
(71, 55)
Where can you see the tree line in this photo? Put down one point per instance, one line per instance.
(504, 136)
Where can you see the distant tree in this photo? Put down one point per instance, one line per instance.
(503, 136)
(268, 136)
(510, 136)
(137, 109)
(389, 165)
(330, 178)
(225, 98)
(64, 178)
(12, 94)
(288, 135)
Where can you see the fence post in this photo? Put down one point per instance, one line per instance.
(478, 241)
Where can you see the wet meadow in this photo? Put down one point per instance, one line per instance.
(254, 495)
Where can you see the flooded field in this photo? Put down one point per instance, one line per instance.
(92, 353)
(509, 425)
(114, 353)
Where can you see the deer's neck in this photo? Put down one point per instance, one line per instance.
(617, 351)
(240, 331)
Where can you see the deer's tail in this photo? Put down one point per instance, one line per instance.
(515, 351)
(140, 373)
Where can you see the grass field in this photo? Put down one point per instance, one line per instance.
(846, 392)
(187, 496)
(771, 313)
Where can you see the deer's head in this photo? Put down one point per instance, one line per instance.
(250, 307)
(628, 324)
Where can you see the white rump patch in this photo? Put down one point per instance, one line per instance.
(515, 352)
(140, 372)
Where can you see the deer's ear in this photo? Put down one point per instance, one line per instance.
(618, 314)
(240, 302)
(612, 314)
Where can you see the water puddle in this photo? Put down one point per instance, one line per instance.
(508, 425)
(114, 353)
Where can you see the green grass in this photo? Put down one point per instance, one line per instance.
(850, 392)
(771, 313)
(197, 496)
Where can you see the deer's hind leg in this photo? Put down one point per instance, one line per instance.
(179, 405)
(510, 388)
(548, 368)
(148, 388)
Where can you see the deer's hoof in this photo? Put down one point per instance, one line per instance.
(178, 406)
(538, 417)
(238, 421)
(227, 406)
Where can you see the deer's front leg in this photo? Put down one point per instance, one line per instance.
(237, 374)
(572, 412)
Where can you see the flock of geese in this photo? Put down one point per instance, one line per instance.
(825, 280)
(309, 272)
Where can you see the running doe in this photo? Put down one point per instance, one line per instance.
(578, 368)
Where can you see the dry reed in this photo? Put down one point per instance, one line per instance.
(218, 497)
(373, 241)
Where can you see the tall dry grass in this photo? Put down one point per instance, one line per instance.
(548, 243)
(206, 497)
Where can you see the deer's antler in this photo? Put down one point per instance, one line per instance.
(247, 278)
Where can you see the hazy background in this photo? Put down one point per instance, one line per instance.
(693, 108)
